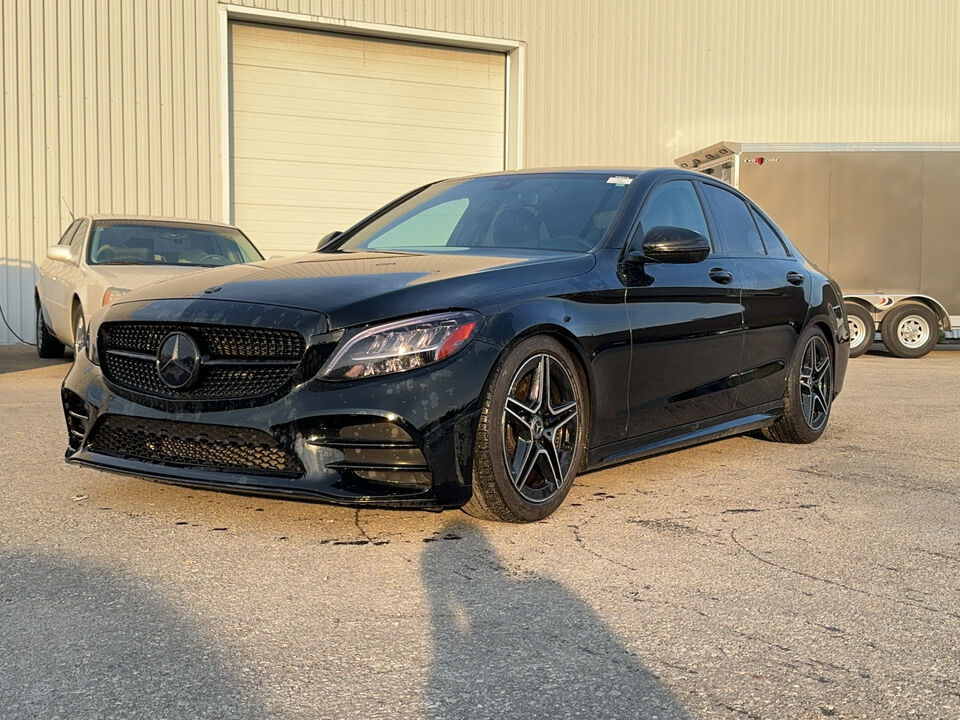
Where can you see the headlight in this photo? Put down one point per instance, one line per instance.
(400, 346)
(112, 294)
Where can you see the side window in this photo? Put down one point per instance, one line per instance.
(674, 204)
(68, 233)
(431, 228)
(77, 240)
(735, 224)
(775, 246)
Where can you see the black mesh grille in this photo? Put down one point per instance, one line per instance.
(212, 447)
(239, 362)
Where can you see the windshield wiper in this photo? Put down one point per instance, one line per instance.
(125, 262)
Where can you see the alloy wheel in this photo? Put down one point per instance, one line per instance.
(816, 383)
(541, 420)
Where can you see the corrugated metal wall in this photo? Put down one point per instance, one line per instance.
(115, 105)
(107, 106)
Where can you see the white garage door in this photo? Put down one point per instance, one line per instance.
(327, 128)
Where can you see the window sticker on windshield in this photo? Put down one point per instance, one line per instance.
(619, 180)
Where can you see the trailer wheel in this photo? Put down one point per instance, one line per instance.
(910, 330)
(862, 328)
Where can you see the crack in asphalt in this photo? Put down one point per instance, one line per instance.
(579, 539)
(836, 583)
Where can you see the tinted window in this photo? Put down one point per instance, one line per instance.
(432, 227)
(735, 224)
(124, 242)
(548, 211)
(674, 204)
(68, 233)
(771, 239)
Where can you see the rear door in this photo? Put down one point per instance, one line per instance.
(685, 323)
(773, 287)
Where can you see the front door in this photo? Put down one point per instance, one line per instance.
(685, 324)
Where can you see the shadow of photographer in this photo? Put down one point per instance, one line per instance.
(523, 646)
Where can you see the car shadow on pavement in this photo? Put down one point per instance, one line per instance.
(514, 644)
(17, 358)
(78, 641)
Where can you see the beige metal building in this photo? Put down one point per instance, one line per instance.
(296, 117)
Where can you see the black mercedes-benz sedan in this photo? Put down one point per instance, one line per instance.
(476, 343)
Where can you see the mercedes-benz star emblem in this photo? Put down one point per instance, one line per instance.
(178, 360)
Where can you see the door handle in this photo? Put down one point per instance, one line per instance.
(795, 278)
(719, 275)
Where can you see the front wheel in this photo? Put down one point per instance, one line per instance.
(809, 393)
(79, 331)
(531, 434)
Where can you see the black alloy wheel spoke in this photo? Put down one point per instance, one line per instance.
(815, 383)
(540, 422)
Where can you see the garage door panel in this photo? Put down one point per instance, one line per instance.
(395, 157)
(471, 143)
(477, 102)
(361, 57)
(327, 128)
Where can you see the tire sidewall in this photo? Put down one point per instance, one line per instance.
(497, 391)
(891, 336)
(870, 328)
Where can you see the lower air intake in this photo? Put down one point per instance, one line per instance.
(211, 447)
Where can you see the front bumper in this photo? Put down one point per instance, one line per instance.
(404, 439)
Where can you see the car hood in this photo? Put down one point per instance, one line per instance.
(359, 287)
(135, 276)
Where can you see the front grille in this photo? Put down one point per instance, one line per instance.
(211, 447)
(237, 362)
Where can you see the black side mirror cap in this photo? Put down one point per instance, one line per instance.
(328, 238)
(667, 244)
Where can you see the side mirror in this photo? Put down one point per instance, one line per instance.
(673, 245)
(61, 253)
(328, 238)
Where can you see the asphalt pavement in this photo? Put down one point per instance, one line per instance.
(739, 579)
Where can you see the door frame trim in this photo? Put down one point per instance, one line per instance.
(514, 52)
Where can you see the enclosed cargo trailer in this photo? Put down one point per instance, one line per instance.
(883, 220)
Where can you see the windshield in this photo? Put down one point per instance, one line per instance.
(143, 243)
(544, 211)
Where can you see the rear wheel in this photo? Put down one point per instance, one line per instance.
(47, 344)
(910, 330)
(862, 329)
(809, 394)
(531, 434)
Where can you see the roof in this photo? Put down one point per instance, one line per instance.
(159, 219)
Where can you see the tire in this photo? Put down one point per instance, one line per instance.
(910, 330)
(809, 394)
(79, 329)
(47, 344)
(527, 449)
(862, 329)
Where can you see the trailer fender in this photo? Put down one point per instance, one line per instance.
(879, 304)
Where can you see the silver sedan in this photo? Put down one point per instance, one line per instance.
(101, 257)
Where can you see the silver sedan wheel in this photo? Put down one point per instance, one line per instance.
(540, 428)
(913, 331)
(816, 383)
